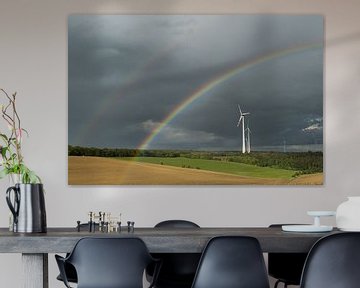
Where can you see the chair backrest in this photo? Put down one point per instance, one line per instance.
(333, 262)
(110, 262)
(178, 269)
(232, 262)
(176, 224)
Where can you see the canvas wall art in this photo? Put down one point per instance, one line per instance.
(195, 99)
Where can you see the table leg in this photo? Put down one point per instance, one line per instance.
(35, 270)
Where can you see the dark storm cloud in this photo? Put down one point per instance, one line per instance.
(126, 73)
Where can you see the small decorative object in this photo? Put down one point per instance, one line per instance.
(104, 221)
(316, 227)
(348, 214)
(26, 197)
(131, 226)
(78, 225)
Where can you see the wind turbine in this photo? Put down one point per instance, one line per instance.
(284, 145)
(242, 119)
(248, 132)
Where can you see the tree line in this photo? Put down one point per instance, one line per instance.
(302, 162)
(119, 152)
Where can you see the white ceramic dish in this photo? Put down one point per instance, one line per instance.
(306, 228)
(321, 213)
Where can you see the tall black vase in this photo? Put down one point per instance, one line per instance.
(28, 208)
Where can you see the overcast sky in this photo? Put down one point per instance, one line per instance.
(127, 73)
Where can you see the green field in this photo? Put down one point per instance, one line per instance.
(216, 166)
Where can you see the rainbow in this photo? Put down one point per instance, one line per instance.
(208, 86)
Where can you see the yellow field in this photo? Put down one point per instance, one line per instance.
(107, 171)
(311, 179)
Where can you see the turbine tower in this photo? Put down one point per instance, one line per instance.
(248, 132)
(284, 145)
(242, 119)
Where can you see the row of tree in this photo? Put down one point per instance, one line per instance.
(119, 152)
(302, 162)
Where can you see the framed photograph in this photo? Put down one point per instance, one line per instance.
(195, 99)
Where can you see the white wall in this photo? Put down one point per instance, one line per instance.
(33, 62)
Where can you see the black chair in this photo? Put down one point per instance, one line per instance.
(108, 263)
(69, 269)
(232, 262)
(286, 267)
(333, 262)
(178, 269)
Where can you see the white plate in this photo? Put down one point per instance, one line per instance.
(321, 213)
(306, 228)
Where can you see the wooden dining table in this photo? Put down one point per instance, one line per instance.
(35, 247)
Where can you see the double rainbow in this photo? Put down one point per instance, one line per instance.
(214, 82)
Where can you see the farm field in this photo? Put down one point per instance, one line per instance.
(310, 179)
(85, 170)
(217, 166)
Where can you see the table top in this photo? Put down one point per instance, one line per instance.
(158, 240)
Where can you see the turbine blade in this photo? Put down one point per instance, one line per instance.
(239, 121)
(240, 110)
